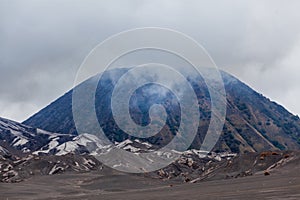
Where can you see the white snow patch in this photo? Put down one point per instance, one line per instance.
(66, 148)
(147, 144)
(81, 140)
(52, 144)
(131, 149)
(19, 141)
(124, 143)
(54, 169)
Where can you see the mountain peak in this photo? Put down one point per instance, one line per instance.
(253, 122)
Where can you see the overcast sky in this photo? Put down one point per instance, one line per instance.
(43, 42)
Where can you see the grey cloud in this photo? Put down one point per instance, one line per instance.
(44, 42)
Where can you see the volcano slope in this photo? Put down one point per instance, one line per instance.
(253, 122)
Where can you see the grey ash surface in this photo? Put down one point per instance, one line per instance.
(119, 186)
(282, 183)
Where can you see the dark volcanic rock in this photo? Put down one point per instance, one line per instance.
(20, 137)
(253, 122)
(16, 169)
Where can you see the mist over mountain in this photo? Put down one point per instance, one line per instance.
(253, 122)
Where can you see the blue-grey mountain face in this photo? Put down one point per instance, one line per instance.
(253, 123)
(26, 139)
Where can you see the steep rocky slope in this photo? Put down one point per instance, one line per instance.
(253, 122)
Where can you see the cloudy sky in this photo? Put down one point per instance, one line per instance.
(43, 42)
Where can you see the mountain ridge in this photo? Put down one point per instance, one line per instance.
(253, 122)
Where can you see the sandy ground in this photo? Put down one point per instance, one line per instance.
(92, 186)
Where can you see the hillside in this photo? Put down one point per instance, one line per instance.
(253, 122)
